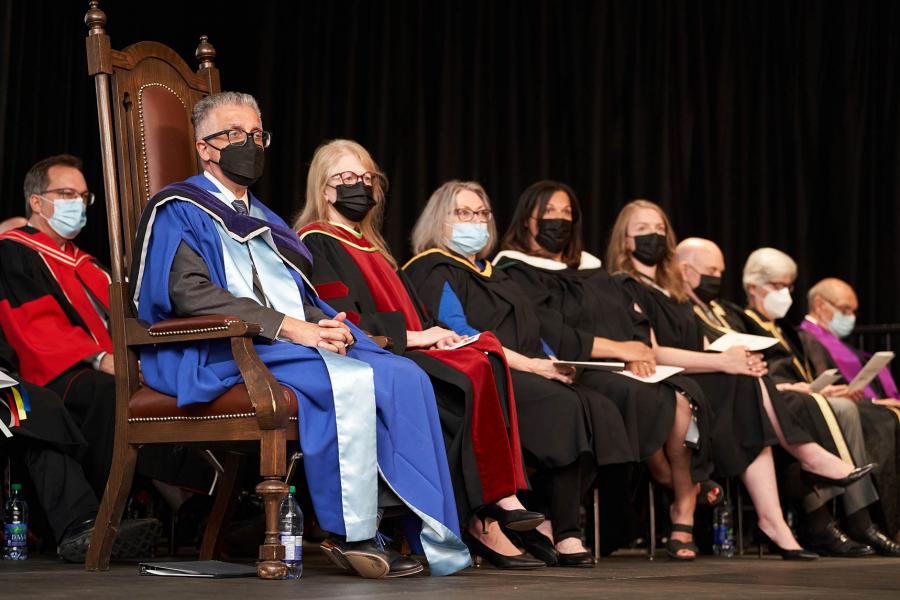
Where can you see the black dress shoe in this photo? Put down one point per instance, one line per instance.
(500, 561)
(855, 475)
(135, 538)
(517, 520)
(881, 543)
(831, 541)
(402, 566)
(536, 544)
(583, 560)
(366, 558)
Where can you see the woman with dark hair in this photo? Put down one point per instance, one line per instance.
(354, 271)
(542, 252)
(749, 415)
(562, 424)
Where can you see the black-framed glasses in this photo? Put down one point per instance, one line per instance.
(368, 178)
(467, 215)
(70, 194)
(239, 137)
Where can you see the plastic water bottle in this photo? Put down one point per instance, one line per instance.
(15, 526)
(290, 528)
(723, 530)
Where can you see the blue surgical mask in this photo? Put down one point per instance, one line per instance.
(469, 238)
(69, 217)
(842, 325)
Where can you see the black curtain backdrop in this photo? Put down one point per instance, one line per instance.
(753, 123)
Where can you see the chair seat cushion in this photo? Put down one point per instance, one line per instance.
(149, 405)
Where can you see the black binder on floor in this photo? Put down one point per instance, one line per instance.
(215, 569)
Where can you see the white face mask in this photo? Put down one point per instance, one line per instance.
(778, 302)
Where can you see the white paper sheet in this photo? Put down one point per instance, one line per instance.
(465, 342)
(587, 364)
(824, 380)
(869, 372)
(754, 343)
(662, 372)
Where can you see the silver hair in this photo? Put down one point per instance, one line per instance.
(428, 231)
(765, 264)
(202, 110)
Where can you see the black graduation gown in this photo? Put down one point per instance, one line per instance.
(577, 305)
(452, 388)
(557, 422)
(740, 425)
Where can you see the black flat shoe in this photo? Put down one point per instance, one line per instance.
(881, 543)
(536, 544)
(135, 538)
(855, 475)
(831, 541)
(501, 561)
(581, 560)
(517, 520)
(402, 566)
(800, 554)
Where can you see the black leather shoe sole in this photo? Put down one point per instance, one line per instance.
(405, 572)
(854, 553)
(134, 539)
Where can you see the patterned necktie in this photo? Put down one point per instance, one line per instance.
(241, 207)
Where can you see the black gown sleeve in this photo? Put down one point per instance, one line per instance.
(817, 355)
(568, 342)
(332, 265)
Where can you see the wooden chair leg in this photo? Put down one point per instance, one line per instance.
(211, 548)
(271, 552)
(114, 496)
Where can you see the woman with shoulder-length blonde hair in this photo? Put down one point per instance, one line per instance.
(567, 430)
(354, 272)
(749, 414)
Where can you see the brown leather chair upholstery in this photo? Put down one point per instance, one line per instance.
(144, 98)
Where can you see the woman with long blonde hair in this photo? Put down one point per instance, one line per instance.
(749, 413)
(354, 271)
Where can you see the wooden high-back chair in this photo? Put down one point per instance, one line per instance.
(144, 98)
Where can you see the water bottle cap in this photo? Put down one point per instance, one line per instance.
(293, 490)
(16, 487)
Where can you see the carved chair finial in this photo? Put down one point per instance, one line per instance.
(95, 19)
(205, 53)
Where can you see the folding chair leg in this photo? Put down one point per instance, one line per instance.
(110, 513)
(740, 518)
(596, 524)
(651, 547)
(211, 548)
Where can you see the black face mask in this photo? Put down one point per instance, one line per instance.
(354, 201)
(650, 248)
(242, 164)
(709, 288)
(554, 234)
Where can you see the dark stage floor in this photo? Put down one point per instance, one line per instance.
(631, 577)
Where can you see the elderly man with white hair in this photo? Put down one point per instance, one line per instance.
(768, 279)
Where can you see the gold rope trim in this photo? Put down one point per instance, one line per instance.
(488, 269)
(338, 238)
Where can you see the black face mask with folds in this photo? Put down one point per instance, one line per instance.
(650, 248)
(709, 288)
(554, 234)
(354, 201)
(243, 165)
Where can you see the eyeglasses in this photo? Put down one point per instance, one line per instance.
(70, 194)
(778, 286)
(844, 308)
(466, 215)
(368, 178)
(239, 137)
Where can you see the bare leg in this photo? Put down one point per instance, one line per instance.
(510, 503)
(812, 457)
(660, 469)
(682, 509)
(759, 479)
(494, 538)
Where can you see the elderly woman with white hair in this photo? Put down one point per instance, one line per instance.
(768, 279)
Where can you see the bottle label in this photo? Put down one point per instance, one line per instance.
(16, 534)
(293, 546)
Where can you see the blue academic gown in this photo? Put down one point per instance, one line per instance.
(410, 450)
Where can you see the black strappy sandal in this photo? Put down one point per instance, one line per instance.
(673, 545)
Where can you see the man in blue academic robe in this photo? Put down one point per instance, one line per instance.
(367, 417)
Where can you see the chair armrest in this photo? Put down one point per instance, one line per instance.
(190, 329)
